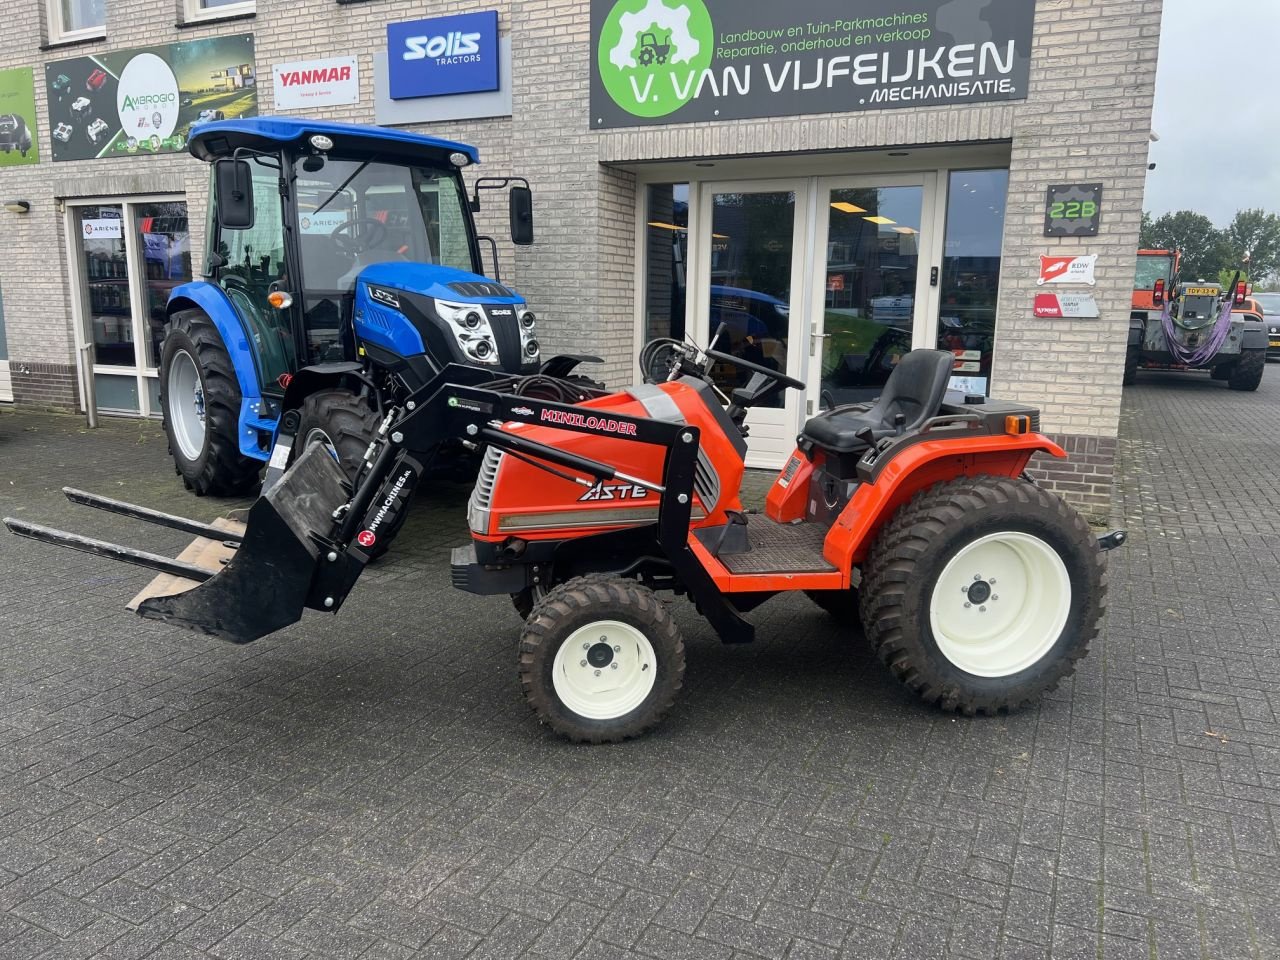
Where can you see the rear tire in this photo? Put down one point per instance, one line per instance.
(1247, 372)
(601, 659)
(925, 602)
(1131, 358)
(200, 400)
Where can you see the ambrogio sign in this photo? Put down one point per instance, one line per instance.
(671, 61)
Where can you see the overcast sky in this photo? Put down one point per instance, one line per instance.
(1217, 109)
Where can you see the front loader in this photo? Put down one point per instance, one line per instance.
(911, 515)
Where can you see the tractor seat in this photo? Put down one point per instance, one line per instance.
(914, 390)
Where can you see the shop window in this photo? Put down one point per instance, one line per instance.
(666, 256)
(164, 244)
(970, 282)
(195, 11)
(76, 20)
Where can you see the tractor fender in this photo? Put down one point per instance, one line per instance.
(916, 468)
(210, 298)
(1254, 334)
(319, 376)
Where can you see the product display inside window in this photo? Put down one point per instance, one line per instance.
(164, 243)
(751, 242)
(667, 258)
(106, 283)
(873, 252)
(970, 281)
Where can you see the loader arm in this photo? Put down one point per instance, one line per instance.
(310, 535)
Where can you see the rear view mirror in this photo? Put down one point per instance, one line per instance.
(233, 183)
(521, 216)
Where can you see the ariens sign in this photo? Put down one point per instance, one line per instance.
(673, 61)
(443, 55)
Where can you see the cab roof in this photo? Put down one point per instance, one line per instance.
(220, 138)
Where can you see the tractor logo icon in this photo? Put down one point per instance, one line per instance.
(651, 51)
(650, 54)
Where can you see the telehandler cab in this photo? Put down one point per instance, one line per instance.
(912, 514)
(343, 272)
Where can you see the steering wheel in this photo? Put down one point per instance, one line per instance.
(344, 234)
(747, 365)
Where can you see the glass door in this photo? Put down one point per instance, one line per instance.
(126, 258)
(871, 291)
(749, 274)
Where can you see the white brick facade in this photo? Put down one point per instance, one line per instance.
(1086, 118)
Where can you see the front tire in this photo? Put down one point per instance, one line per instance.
(341, 421)
(840, 604)
(982, 593)
(200, 401)
(1247, 372)
(601, 659)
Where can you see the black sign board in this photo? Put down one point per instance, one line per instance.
(672, 61)
(1073, 210)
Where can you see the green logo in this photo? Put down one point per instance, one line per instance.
(453, 401)
(652, 54)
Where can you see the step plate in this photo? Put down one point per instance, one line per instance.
(780, 548)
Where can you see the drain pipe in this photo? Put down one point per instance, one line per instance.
(90, 394)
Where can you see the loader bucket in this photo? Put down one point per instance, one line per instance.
(264, 586)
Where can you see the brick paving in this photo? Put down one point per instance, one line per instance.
(373, 786)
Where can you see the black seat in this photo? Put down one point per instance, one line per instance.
(913, 391)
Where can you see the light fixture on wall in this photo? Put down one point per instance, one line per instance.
(17, 206)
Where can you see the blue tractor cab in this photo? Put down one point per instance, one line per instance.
(342, 271)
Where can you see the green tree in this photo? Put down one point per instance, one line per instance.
(1252, 241)
(1146, 238)
(1195, 235)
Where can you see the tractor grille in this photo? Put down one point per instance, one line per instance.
(706, 482)
(479, 288)
(383, 319)
(482, 494)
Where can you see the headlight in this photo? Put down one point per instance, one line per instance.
(1275, 329)
(470, 328)
(528, 339)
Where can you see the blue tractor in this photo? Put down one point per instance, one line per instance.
(342, 272)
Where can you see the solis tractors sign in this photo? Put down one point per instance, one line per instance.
(316, 83)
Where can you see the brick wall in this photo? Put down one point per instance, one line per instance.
(46, 386)
(1085, 477)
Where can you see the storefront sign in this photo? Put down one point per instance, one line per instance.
(18, 141)
(672, 61)
(145, 101)
(1073, 210)
(316, 83)
(103, 228)
(1055, 306)
(1067, 269)
(443, 55)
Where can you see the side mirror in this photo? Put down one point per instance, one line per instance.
(233, 182)
(521, 203)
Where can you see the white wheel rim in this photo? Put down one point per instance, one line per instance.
(1000, 604)
(593, 687)
(184, 398)
(317, 435)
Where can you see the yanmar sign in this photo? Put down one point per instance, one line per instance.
(316, 83)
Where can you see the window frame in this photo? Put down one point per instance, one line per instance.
(58, 32)
(194, 12)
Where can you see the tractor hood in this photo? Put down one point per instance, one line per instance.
(428, 315)
(438, 282)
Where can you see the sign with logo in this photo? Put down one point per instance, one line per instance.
(145, 101)
(1055, 306)
(672, 61)
(18, 141)
(443, 55)
(102, 228)
(316, 83)
(1067, 269)
(1073, 210)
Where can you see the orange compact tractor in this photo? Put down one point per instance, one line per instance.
(911, 515)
